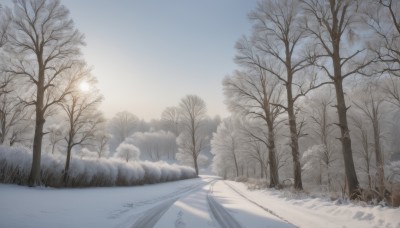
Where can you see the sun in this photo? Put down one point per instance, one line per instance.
(84, 87)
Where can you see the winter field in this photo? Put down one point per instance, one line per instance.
(201, 202)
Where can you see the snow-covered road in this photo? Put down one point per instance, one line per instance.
(214, 205)
(217, 205)
(201, 202)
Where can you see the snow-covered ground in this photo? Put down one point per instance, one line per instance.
(201, 202)
(317, 212)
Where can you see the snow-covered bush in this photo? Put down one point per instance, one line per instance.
(127, 152)
(129, 173)
(15, 166)
(86, 153)
(152, 172)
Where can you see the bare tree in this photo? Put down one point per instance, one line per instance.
(55, 135)
(333, 25)
(226, 143)
(171, 116)
(319, 115)
(364, 138)
(252, 94)
(46, 44)
(15, 116)
(156, 146)
(255, 149)
(5, 20)
(383, 17)
(192, 140)
(370, 104)
(12, 115)
(101, 139)
(391, 87)
(21, 133)
(122, 126)
(275, 47)
(82, 117)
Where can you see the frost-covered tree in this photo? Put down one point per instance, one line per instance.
(209, 126)
(370, 103)
(170, 116)
(333, 26)
(122, 125)
(383, 17)
(390, 86)
(127, 152)
(311, 160)
(155, 146)
(364, 144)
(255, 136)
(5, 20)
(101, 139)
(394, 170)
(226, 146)
(55, 135)
(81, 115)
(277, 47)
(14, 117)
(322, 128)
(192, 140)
(46, 45)
(252, 94)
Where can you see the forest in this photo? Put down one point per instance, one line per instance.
(317, 87)
(314, 105)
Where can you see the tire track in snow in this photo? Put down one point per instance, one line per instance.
(224, 219)
(259, 205)
(153, 215)
(182, 191)
(150, 217)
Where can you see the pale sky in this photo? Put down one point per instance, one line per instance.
(148, 54)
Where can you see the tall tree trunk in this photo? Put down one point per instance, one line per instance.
(67, 162)
(235, 159)
(196, 167)
(34, 176)
(3, 128)
(335, 34)
(194, 149)
(320, 173)
(298, 185)
(351, 176)
(369, 178)
(367, 158)
(329, 178)
(273, 168)
(378, 156)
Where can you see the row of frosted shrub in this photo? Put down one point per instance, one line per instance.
(15, 164)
